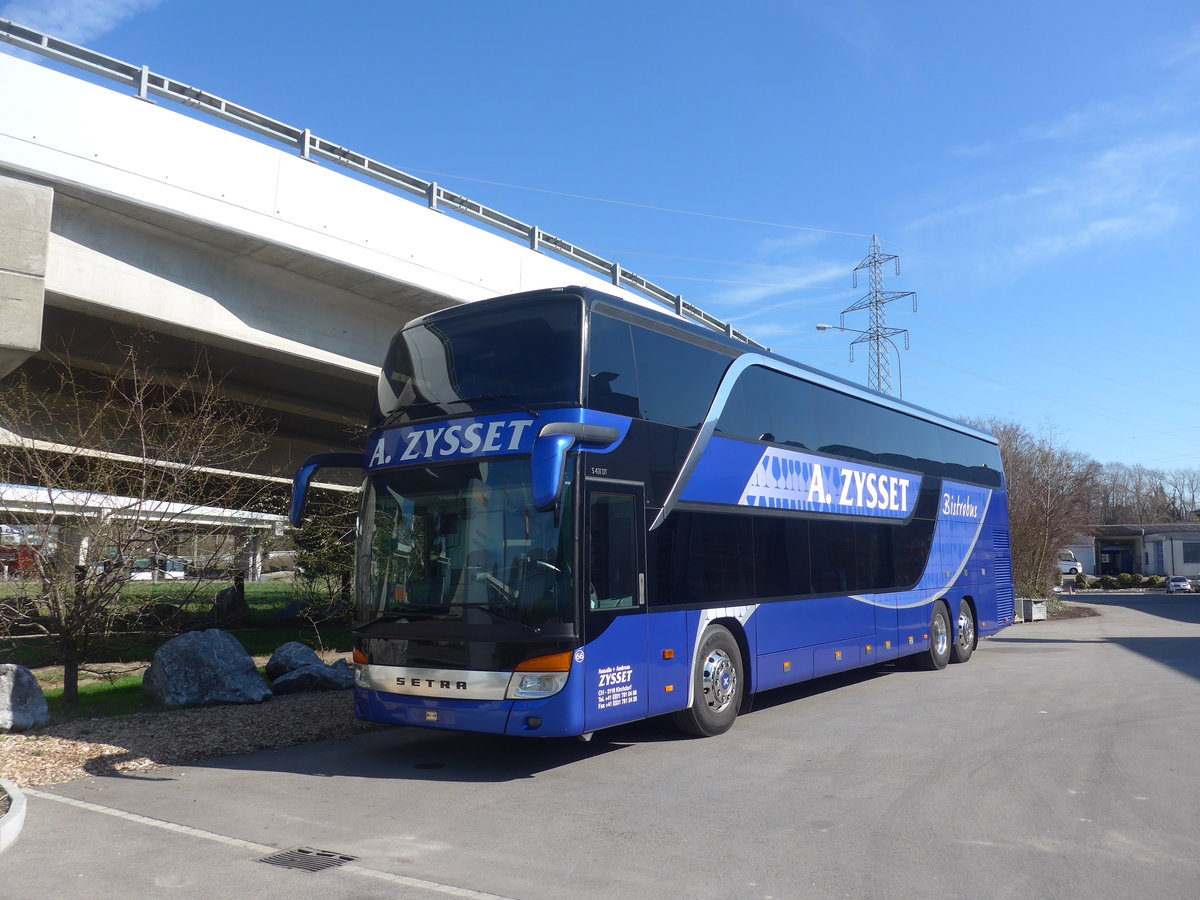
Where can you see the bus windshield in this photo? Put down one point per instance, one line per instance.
(457, 364)
(462, 543)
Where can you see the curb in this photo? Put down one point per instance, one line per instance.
(13, 820)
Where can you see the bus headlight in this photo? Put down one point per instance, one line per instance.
(542, 676)
(535, 685)
(362, 677)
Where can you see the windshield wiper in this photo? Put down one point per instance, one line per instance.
(509, 397)
(440, 607)
(395, 414)
(384, 617)
(401, 410)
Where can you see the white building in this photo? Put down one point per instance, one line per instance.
(1141, 549)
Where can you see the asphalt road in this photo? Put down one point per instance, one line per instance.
(1063, 760)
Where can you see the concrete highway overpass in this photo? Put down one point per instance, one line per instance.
(121, 216)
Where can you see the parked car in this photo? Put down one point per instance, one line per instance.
(161, 568)
(1177, 584)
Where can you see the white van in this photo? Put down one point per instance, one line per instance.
(158, 568)
(1067, 563)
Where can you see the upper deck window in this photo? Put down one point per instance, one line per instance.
(769, 405)
(638, 372)
(478, 360)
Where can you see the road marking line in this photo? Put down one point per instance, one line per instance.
(156, 823)
(405, 880)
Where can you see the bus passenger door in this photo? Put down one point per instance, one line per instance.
(615, 602)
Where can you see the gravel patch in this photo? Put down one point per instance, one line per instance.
(81, 747)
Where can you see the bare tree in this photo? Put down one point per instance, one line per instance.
(1182, 487)
(98, 470)
(1049, 494)
(1137, 495)
(325, 557)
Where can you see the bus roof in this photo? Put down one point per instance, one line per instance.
(591, 297)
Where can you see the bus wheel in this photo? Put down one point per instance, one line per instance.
(938, 653)
(964, 640)
(716, 686)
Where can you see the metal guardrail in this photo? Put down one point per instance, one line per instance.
(148, 84)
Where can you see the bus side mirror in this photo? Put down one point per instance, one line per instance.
(549, 458)
(304, 476)
(549, 466)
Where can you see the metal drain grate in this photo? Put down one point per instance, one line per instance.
(306, 859)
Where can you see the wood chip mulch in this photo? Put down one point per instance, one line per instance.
(81, 747)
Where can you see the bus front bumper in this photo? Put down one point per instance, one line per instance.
(551, 717)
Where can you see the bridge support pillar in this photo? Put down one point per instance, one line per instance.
(24, 237)
(249, 559)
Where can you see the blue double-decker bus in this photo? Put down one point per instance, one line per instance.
(579, 512)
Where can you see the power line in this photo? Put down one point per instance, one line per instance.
(1098, 413)
(715, 262)
(646, 206)
(770, 284)
(1043, 358)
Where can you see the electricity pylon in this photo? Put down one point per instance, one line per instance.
(877, 333)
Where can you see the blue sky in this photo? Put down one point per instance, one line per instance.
(1035, 165)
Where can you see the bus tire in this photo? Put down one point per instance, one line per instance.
(938, 653)
(964, 634)
(717, 684)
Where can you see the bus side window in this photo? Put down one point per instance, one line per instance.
(612, 376)
(612, 564)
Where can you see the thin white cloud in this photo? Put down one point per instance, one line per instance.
(787, 246)
(1048, 246)
(77, 21)
(1185, 51)
(800, 278)
(1115, 169)
(853, 21)
(1135, 187)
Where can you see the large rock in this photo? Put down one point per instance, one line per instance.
(291, 656)
(230, 609)
(337, 677)
(203, 667)
(22, 703)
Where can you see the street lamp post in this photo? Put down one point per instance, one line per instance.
(875, 338)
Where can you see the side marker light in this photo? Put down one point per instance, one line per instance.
(787, 667)
(668, 654)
